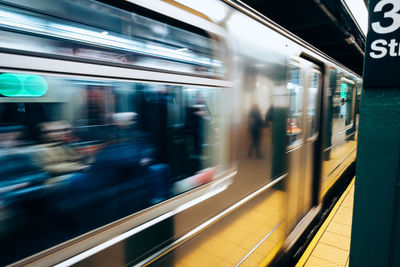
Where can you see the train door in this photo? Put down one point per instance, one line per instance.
(312, 110)
(304, 85)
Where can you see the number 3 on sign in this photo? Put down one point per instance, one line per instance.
(392, 14)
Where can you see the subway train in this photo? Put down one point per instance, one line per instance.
(163, 133)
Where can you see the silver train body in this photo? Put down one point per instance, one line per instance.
(142, 133)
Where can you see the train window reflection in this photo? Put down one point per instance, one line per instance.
(296, 95)
(89, 152)
(138, 41)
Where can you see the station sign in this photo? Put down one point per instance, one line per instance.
(382, 58)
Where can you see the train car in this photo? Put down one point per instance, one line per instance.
(163, 133)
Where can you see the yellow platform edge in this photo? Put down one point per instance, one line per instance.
(318, 236)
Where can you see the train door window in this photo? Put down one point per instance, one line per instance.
(343, 105)
(119, 37)
(312, 102)
(347, 97)
(295, 86)
(358, 97)
(78, 153)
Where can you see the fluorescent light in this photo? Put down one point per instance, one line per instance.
(359, 12)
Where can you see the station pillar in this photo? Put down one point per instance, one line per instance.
(375, 238)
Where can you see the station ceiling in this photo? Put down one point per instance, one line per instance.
(326, 24)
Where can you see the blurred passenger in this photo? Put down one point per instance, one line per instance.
(9, 138)
(255, 127)
(57, 131)
(20, 179)
(55, 155)
(14, 161)
(124, 123)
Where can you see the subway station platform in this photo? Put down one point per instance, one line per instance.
(331, 244)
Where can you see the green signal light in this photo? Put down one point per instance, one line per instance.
(343, 90)
(22, 85)
(35, 85)
(10, 84)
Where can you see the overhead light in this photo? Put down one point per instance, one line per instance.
(104, 33)
(359, 12)
(184, 49)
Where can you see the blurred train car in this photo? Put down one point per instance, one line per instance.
(134, 132)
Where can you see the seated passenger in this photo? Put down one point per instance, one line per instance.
(18, 171)
(122, 178)
(9, 138)
(55, 155)
(123, 123)
(21, 182)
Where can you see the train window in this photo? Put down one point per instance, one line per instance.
(109, 35)
(294, 127)
(343, 104)
(348, 98)
(358, 97)
(88, 152)
(312, 101)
